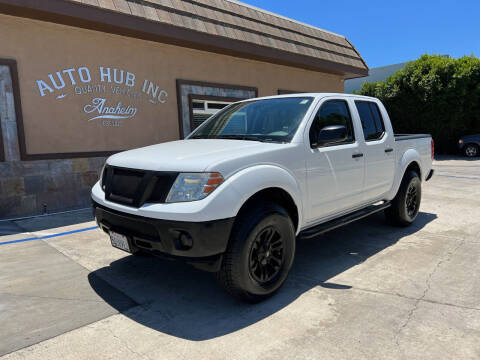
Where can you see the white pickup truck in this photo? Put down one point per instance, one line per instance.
(233, 197)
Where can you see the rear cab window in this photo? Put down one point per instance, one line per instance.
(371, 118)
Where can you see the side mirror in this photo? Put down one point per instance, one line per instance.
(331, 134)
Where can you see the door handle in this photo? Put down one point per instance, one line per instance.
(357, 155)
(388, 150)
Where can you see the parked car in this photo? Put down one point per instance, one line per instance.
(233, 197)
(470, 145)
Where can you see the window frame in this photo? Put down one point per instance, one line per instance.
(346, 142)
(373, 117)
(184, 88)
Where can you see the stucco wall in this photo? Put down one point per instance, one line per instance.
(58, 123)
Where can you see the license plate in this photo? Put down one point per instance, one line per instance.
(119, 241)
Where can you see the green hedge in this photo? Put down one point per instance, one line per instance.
(435, 95)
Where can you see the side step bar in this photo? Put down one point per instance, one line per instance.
(344, 220)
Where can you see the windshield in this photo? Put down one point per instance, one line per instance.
(269, 120)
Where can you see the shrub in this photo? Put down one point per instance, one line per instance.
(435, 95)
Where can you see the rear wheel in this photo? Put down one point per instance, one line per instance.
(471, 150)
(406, 204)
(260, 253)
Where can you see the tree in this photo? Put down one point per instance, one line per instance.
(435, 95)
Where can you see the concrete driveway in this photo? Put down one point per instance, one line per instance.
(366, 291)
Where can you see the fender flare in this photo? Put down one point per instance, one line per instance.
(251, 180)
(410, 156)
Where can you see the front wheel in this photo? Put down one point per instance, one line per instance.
(260, 253)
(406, 204)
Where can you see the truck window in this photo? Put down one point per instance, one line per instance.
(268, 120)
(333, 112)
(372, 122)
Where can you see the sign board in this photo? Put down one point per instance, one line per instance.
(111, 95)
(75, 109)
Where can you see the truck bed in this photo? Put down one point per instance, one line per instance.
(400, 137)
(417, 142)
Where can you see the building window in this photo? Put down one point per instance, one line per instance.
(198, 100)
(202, 107)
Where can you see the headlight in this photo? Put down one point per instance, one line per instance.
(193, 186)
(102, 174)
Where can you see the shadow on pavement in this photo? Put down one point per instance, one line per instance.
(46, 222)
(180, 301)
(455, 157)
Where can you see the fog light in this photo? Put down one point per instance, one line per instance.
(185, 241)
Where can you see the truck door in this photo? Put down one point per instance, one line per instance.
(378, 150)
(335, 170)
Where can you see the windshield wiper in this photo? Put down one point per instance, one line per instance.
(236, 137)
(241, 137)
(201, 137)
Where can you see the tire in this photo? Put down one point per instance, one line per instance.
(406, 204)
(252, 272)
(471, 150)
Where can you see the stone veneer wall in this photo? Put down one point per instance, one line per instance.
(33, 187)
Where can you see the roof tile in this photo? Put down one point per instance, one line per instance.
(122, 6)
(106, 4)
(241, 22)
(167, 3)
(151, 13)
(164, 16)
(91, 2)
(137, 9)
(178, 5)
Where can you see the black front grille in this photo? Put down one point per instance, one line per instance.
(136, 187)
(126, 182)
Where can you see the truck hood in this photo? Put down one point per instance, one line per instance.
(194, 155)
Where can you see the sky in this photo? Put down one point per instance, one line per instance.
(389, 32)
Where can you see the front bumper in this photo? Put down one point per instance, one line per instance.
(195, 242)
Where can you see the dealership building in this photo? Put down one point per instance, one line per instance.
(83, 79)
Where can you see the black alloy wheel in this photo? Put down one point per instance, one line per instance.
(405, 206)
(266, 255)
(260, 252)
(411, 200)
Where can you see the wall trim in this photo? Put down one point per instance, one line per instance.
(12, 65)
(2, 152)
(59, 156)
(286, 92)
(181, 82)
